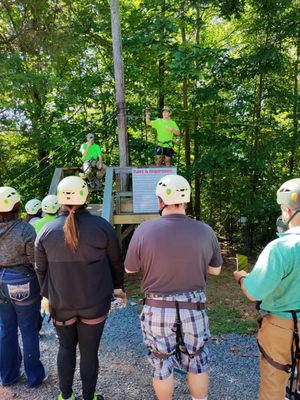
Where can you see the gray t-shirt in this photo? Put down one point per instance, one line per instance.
(173, 253)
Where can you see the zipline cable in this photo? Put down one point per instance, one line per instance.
(57, 157)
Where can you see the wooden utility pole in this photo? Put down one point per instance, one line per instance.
(119, 81)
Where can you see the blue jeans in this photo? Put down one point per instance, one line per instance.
(14, 315)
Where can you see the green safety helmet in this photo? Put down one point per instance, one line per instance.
(33, 206)
(289, 194)
(9, 197)
(50, 204)
(72, 190)
(173, 189)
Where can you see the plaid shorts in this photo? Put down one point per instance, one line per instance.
(159, 333)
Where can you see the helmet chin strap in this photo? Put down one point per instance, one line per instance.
(162, 209)
(292, 216)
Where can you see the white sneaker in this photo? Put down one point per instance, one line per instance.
(46, 375)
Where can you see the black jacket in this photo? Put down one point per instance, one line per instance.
(79, 282)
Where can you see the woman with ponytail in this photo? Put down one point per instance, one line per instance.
(79, 267)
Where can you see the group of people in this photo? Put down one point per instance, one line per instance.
(75, 264)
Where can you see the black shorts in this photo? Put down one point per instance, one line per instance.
(164, 151)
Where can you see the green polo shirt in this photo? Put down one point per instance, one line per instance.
(93, 152)
(163, 135)
(38, 225)
(275, 278)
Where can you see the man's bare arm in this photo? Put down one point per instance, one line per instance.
(214, 270)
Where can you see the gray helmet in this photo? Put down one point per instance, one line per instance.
(89, 136)
(289, 194)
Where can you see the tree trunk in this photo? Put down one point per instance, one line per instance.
(119, 81)
(161, 79)
(197, 199)
(186, 130)
(161, 70)
(254, 173)
(295, 136)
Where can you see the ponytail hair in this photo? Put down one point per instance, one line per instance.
(71, 228)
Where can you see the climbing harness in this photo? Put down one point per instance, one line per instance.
(162, 150)
(294, 392)
(180, 345)
(72, 321)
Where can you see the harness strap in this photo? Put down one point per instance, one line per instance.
(282, 367)
(165, 356)
(93, 321)
(72, 321)
(184, 305)
(179, 338)
(180, 345)
(295, 354)
(69, 322)
(167, 142)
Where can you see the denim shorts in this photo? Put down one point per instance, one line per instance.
(159, 333)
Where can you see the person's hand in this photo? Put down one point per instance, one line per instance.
(170, 129)
(45, 310)
(120, 294)
(238, 274)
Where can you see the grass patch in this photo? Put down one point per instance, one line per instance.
(224, 320)
(229, 311)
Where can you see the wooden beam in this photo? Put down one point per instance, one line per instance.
(128, 170)
(55, 180)
(132, 218)
(107, 208)
(127, 231)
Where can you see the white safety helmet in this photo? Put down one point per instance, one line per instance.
(173, 189)
(9, 197)
(289, 194)
(33, 206)
(50, 204)
(72, 190)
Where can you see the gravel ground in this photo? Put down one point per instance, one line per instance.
(125, 374)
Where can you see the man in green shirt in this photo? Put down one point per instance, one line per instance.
(166, 129)
(50, 208)
(275, 282)
(91, 156)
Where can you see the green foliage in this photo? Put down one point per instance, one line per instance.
(238, 61)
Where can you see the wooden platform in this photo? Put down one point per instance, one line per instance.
(117, 207)
(135, 219)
